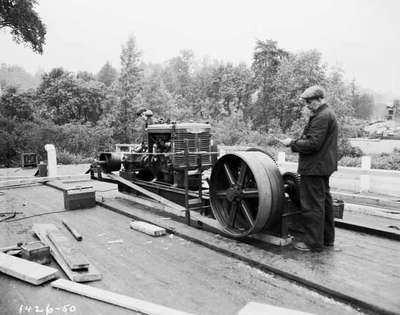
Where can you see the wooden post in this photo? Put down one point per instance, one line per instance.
(365, 178)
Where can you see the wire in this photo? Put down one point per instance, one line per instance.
(36, 215)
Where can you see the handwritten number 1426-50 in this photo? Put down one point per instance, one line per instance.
(32, 309)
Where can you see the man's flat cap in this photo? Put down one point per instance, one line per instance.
(314, 91)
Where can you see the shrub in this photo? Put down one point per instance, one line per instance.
(349, 161)
(65, 157)
(386, 161)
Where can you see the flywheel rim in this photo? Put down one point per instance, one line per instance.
(252, 193)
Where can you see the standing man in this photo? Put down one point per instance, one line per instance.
(148, 117)
(144, 118)
(317, 148)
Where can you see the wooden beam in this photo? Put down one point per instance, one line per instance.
(31, 180)
(115, 298)
(71, 254)
(26, 270)
(73, 231)
(145, 192)
(90, 274)
(147, 228)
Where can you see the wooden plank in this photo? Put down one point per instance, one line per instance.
(146, 192)
(92, 274)
(73, 231)
(26, 270)
(368, 200)
(147, 228)
(31, 180)
(71, 254)
(115, 298)
(253, 308)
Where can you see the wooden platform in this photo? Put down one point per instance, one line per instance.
(180, 274)
(363, 267)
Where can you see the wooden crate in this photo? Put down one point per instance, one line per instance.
(79, 198)
(29, 160)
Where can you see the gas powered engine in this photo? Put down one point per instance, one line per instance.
(246, 191)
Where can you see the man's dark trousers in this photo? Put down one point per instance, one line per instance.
(316, 207)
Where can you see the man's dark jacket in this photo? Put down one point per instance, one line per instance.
(317, 146)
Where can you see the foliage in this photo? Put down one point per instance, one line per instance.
(84, 113)
(295, 73)
(15, 76)
(107, 74)
(16, 106)
(25, 24)
(387, 161)
(363, 103)
(266, 61)
(349, 161)
(130, 86)
(63, 97)
(66, 157)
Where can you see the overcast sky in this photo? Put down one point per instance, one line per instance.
(361, 36)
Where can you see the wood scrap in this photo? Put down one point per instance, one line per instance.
(115, 298)
(26, 270)
(91, 274)
(73, 231)
(147, 228)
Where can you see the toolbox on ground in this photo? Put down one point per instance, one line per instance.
(37, 252)
(338, 208)
(79, 198)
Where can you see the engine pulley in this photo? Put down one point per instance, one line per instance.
(246, 193)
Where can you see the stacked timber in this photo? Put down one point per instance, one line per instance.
(70, 258)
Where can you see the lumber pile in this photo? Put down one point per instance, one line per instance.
(75, 265)
(26, 270)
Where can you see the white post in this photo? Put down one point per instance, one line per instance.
(51, 160)
(281, 157)
(365, 178)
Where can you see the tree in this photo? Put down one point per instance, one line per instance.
(16, 106)
(16, 76)
(363, 104)
(130, 86)
(107, 74)
(229, 89)
(178, 74)
(266, 60)
(63, 98)
(26, 26)
(295, 73)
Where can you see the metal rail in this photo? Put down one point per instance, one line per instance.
(367, 230)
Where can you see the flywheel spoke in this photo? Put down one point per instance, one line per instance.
(232, 214)
(229, 175)
(247, 213)
(250, 192)
(242, 174)
(220, 194)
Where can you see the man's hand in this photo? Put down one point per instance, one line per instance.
(286, 142)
